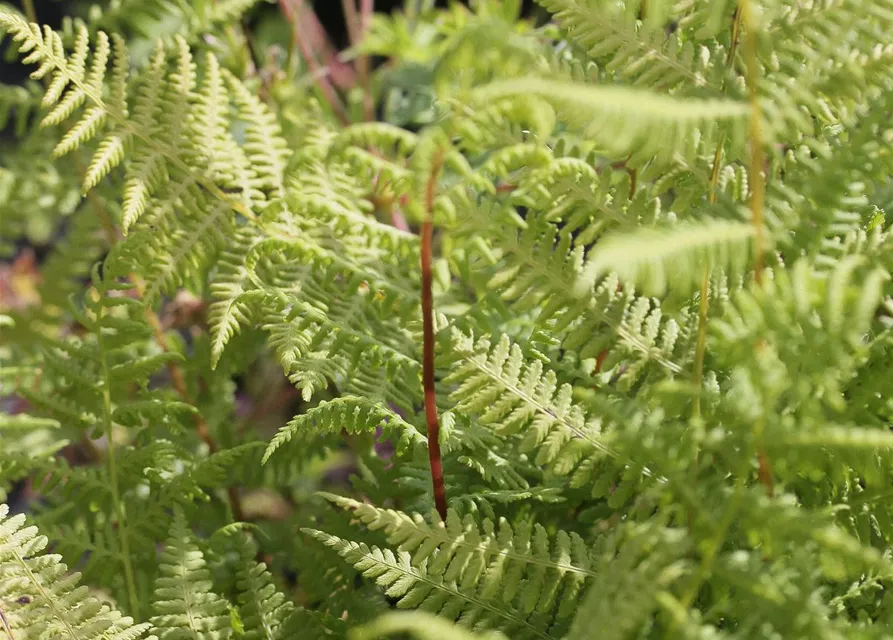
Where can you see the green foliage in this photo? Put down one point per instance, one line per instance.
(662, 322)
(41, 600)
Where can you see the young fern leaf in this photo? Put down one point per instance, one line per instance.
(353, 414)
(48, 603)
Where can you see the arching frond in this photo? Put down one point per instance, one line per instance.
(349, 413)
(624, 120)
(646, 257)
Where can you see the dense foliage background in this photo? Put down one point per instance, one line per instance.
(556, 320)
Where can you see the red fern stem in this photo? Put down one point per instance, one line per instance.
(433, 425)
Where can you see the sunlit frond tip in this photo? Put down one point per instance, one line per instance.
(650, 257)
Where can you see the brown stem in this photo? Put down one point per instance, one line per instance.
(764, 472)
(434, 456)
(600, 360)
(755, 174)
(366, 9)
(291, 9)
(756, 181)
(356, 27)
(352, 21)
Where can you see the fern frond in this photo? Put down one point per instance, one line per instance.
(396, 573)
(232, 293)
(539, 267)
(487, 566)
(50, 602)
(646, 257)
(265, 148)
(264, 610)
(643, 53)
(183, 161)
(501, 389)
(462, 542)
(349, 413)
(629, 121)
(185, 605)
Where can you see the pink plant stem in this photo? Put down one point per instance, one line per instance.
(295, 12)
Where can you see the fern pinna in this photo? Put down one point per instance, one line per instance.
(626, 264)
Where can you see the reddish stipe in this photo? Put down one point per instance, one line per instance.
(433, 425)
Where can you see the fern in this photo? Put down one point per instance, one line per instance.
(47, 602)
(184, 603)
(645, 259)
(652, 127)
(603, 290)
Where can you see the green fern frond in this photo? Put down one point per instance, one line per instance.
(263, 610)
(629, 121)
(181, 154)
(538, 269)
(350, 413)
(185, 605)
(643, 53)
(496, 385)
(486, 565)
(48, 601)
(396, 573)
(646, 257)
(232, 293)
